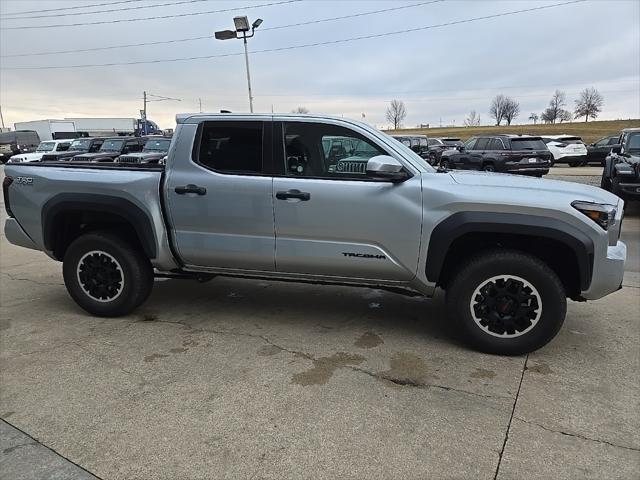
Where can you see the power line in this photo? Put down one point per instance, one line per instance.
(208, 37)
(294, 47)
(159, 17)
(73, 8)
(138, 7)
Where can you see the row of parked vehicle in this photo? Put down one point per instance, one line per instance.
(147, 149)
(534, 155)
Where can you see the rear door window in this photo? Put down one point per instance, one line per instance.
(231, 147)
(496, 144)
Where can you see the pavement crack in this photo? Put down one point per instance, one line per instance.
(513, 411)
(16, 447)
(106, 361)
(576, 435)
(30, 280)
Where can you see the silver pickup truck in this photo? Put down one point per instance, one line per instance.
(275, 196)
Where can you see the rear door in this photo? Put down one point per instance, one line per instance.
(219, 195)
(331, 220)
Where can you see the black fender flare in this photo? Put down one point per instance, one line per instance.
(89, 202)
(462, 223)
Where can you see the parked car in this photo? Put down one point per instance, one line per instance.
(417, 143)
(43, 148)
(19, 141)
(521, 154)
(566, 149)
(621, 173)
(78, 146)
(597, 152)
(154, 149)
(112, 148)
(235, 201)
(439, 145)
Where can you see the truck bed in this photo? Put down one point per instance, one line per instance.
(127, 190)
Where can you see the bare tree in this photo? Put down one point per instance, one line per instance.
(565, 116)
(511, 110)
(556, 104)
(473, 120)
(535, 117)
(547, 116)
(396, 113)
(300, 110)
(497, 108)
(588, 104)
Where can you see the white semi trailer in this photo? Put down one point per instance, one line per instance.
(49, 129)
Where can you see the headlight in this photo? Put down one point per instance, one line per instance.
(601, 213)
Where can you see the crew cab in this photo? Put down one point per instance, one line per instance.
(440, 144)
(417, 143)
(255, 196)
(153, 151)
(77, 146)
(567, 149)
(521, 154)
(112, 148)
(43, 148)
(16, 142)
(621, 172)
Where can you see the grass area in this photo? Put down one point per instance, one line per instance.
(590, 131)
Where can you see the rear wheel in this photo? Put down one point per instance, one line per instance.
(506, 302)
(445, 164)
(106, 275)
(489, 167)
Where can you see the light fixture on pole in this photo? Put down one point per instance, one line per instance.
(242, 27)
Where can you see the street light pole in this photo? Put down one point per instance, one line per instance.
(242, 26)
(246, 61)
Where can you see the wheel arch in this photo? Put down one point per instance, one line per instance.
(68, 215)
(565, 248)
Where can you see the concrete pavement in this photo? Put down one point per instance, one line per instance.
(252, 379)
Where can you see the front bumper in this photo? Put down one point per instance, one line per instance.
(630, 190)
(608, 271)
(530, 170)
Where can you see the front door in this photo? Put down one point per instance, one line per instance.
(219, 199)
(331, 220)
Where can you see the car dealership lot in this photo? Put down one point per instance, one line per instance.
(246, 378)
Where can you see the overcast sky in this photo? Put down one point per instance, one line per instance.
(440, 73)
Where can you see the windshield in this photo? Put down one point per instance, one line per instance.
(80, 144)
(112, 145)
(157, 145)
(527, 144)
(46, 147)
(633, 144)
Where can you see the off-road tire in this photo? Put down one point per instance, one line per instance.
(477, 271)
(109, 255)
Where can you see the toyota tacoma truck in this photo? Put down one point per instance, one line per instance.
(254, 196)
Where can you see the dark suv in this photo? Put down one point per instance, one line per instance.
(417, 143)
(598, 151)
(78, 146)
(111, 148)
(439, 145)
(523, 154)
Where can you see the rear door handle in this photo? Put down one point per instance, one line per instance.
(304, 196)
(191, 188)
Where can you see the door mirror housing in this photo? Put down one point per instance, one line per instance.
(384, 167)
(616, 149)
(460, 148)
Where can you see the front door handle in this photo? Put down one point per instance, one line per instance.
(191, 188)
(304, 196)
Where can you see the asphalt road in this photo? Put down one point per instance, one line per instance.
(253, 379)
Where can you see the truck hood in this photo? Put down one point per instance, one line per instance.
(99, 155)
(533, 186)
(146, 155)
(27, 157)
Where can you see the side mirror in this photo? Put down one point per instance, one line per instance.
(616, 149)
(384, 167)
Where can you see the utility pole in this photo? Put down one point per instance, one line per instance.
(1, 117)
(145, 100)
(200, 103)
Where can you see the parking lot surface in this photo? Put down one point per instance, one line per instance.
(253, 379)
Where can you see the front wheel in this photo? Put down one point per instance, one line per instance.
(506, 302)
(445, 164)
(106, 275)
(489, 167)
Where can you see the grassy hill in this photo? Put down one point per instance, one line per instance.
(590, 131)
